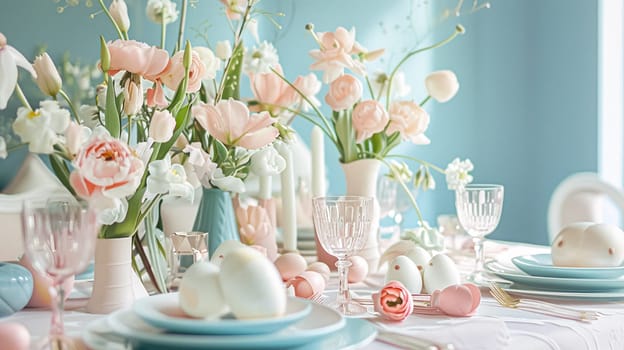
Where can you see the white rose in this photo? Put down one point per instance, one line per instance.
(267, 162)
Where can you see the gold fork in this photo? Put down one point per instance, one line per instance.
(507, 300)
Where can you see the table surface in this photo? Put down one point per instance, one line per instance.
(492, 327)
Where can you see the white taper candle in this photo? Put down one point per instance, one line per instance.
(318, 162)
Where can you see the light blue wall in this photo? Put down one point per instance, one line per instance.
(525, 113)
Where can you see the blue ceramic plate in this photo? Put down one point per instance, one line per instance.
(541, 265)
(555, 283)
(162, 311)
(320, 323)
(355, 334)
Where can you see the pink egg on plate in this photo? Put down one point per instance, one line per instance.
(14, 336)
(321, 268)
(457, 300)
(308, 284)
(290, 265)
(358, 269)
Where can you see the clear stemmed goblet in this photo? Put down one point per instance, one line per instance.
(341, 225)
(479, 210)
(59, 236)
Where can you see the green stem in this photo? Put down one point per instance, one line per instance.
(423, 162)
(370, 88)
(182, 24)
(458, 29)
(71, 105)
(22, 97)
(425, 100)
(163, 32)
(397, 176)
(110, 17)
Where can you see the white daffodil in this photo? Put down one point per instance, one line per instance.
(3, 148)
(379, 85)
(457, 173)
(109, 209)
(211, 63)
(10, 59)
(170, 179)
(260, 59)
(160, 11)
(40, 128)
(267, 162)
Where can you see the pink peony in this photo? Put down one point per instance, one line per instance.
(230, 122)
(369, 117)
(106, 165)
(174, 73)
(343, 92)
(138, 58)
(394, 302)
(409, 119)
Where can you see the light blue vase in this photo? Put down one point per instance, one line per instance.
(215, 216)
(16, 287)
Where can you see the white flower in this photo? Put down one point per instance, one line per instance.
(223, 49)
(260, 59)
(40, 128)
(170, 179)
(3, 149)
(119, 11)
(207, 172)
(228, 183)
(379, 84)
(211, 63)
(109, 209)
(267, 162)
(89, 115)
(399, 170)
(442, 85)
(160, 11)
(252, 27)
(457, 173)
(10, 58)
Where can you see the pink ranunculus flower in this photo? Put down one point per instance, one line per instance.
(106, 165)
(335, 54)
(230, 122)
(343, 92)
(272, 92)
(161, 126)
(137, 57)
(174, 73)
(394, 301)
(411, 120)
(369, 117)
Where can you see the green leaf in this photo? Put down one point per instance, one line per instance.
(181, 120)
(231, 89)
(61, 171)
(111, 113)
(129, 226)
(221, 152)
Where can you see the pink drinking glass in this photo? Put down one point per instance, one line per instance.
(59, 239)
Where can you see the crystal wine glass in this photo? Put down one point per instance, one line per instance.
(341, 225)
(59, 239)
(479, 210)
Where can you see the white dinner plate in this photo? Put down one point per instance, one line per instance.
(321, 322)
(593, 296)
(541, 265)
(163, 311)
(555, 283)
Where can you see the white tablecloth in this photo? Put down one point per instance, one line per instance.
(492, 327)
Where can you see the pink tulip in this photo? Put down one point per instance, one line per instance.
(394, 302)
(174, 73)
(272, 92)
(156, 96)
(234, 8)
(138, 58)
(75, 137)
(343, 92)
(119, 11)
(442, 85)
(230, 122)
(369, 117)
(256, 229)
(161, 126)
(48, 78)
(409, 119)
(106, 165)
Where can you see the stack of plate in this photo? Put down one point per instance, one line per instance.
(156, 322)
(305, 242)
(535, 274)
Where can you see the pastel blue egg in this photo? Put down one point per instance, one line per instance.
(16, 288)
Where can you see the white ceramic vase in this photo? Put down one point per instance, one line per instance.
(116, 285)
(361, 180)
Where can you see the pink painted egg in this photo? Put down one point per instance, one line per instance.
(457, 300)
(321, 268)
(358, 269)
(290, 265)
(308, 284)
(14, 336)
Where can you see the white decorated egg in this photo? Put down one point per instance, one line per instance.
(290, 265)
(404, 270)
(200, 293)
(585, 244)
(440, 272)
(251, 285)
(224, 249)
(321, 268)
